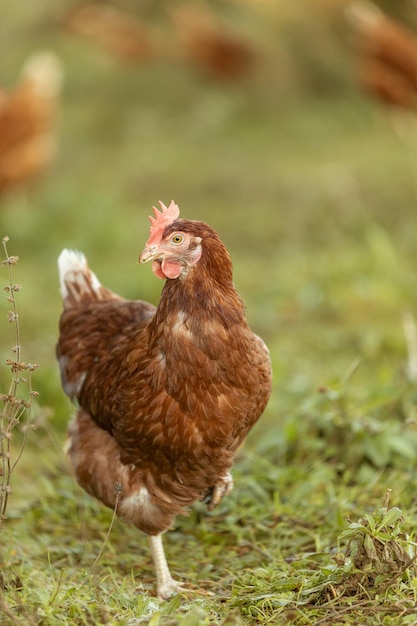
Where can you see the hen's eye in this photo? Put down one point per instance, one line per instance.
(177, 239)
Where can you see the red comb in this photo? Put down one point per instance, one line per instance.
(161, 220)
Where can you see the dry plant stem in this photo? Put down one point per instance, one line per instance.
(5, 609)
(14, 407)
(118, 490)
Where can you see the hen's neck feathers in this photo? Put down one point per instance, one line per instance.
(207, 289)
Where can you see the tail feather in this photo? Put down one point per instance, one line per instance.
(77, 281)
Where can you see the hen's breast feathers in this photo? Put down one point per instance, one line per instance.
(176, 388)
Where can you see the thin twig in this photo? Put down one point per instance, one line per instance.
(118, 490)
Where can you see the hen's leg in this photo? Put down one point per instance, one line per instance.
(166, 586)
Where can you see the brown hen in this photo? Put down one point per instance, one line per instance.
(27, 121)
(166, 395)
(387, 56)
(211, 46)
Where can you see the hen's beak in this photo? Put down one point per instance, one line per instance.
(148, 253)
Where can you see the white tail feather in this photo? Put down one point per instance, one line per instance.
(73, 268)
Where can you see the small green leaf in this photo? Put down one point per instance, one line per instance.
(391, 516)
(370, 549)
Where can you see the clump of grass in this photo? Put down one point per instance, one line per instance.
(17, 402)
(379, 556)
(379, 551)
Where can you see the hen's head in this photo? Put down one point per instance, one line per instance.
(173, 247)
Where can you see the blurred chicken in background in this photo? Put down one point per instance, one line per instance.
(121, 34)
(27, 121)
(211, 46)
(387, 56)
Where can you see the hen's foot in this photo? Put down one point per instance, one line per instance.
(168, 588)
(222, 489)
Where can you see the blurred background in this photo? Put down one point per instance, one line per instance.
(288, 126)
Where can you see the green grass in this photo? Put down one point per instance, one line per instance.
(315, 197)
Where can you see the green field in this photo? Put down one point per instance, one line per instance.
(315, 194)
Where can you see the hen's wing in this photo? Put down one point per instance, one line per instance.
(91, 334)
